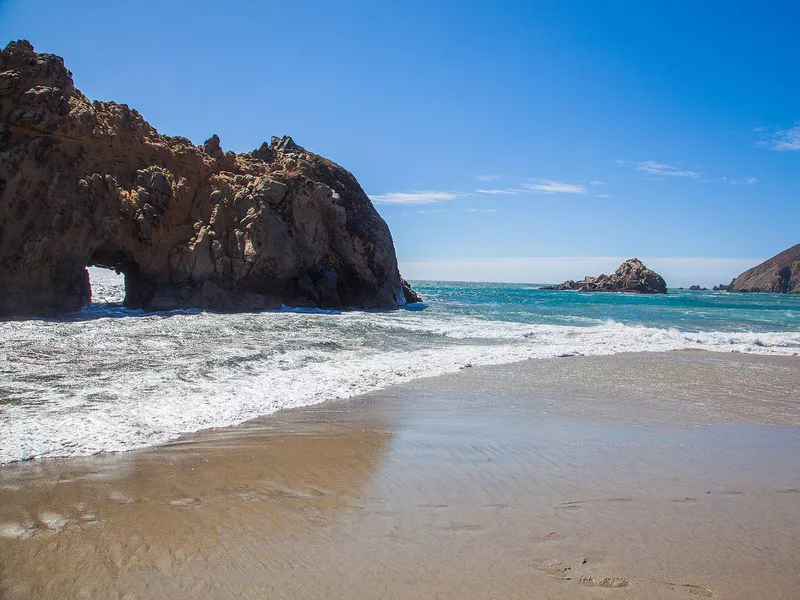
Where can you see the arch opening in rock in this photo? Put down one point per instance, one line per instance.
(188, 226)
(138, 291)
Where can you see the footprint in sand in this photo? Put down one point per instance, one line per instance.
(605, 582)
(789, 491)
(436, 506)
(555, 569)
(570, 506)
(696, 590)
(685, 500)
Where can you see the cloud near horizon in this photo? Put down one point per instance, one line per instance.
(421, 197)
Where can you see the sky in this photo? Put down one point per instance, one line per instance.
(501, 141)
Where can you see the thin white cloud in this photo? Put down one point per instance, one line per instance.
(487, 177)
(602, 195)
(745, 181)
(422, 197)
(651, 167)
(656, 169)
(783, 140)
(424, 212)
(595, 182)
(482, 210)
(548, 186)
(527, 186)
(503, 192)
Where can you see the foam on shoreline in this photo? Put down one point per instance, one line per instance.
(109, 379)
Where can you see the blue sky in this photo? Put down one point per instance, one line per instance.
(518, 141)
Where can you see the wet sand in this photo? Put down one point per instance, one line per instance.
(631, 476)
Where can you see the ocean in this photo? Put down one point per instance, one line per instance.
(109, 379)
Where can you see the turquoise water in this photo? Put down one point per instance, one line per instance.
(110, 379)
(681, 309)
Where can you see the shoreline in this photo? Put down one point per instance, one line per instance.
(656, 475)
(47, 456)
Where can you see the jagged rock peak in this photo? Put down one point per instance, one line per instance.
(87, 183)
(212, 147)
(631, 276)
(286, 145)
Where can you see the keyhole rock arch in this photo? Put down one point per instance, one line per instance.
(86, 183)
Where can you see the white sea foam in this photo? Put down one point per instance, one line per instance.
(117, 380)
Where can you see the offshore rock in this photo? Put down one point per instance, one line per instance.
(631, 276)
(778, 275)
(92, 183)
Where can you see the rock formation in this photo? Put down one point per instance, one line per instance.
(778, 275)
(631, 276)
(92, 183)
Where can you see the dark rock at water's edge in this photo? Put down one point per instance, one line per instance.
(778, 275)
(697, 288)
(92, 183)
(631, 276)
(409, 294)
(722, 287)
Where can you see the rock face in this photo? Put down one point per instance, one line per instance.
(631, 276)
(92, 183)
(778, 275)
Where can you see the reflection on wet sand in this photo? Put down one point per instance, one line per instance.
(632, 476)
(98, 526)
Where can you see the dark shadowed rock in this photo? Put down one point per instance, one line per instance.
(410, 295)
(212, 147)
(778, 275)
(92, 183)
(631, 276)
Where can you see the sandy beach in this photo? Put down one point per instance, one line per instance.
(651, 475)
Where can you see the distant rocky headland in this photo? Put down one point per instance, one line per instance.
(778, 275)
(631, 276)
(87, 183)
